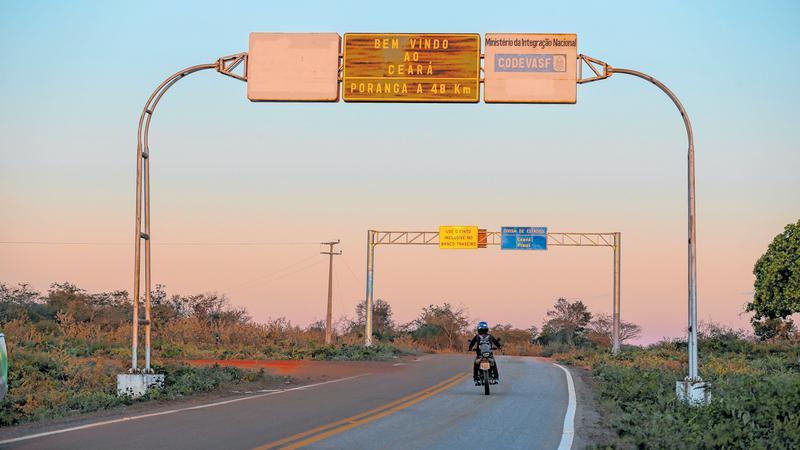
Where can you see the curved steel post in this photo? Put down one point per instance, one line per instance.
(692, 275)
(143, 190)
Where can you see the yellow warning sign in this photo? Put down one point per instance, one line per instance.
(458, 237)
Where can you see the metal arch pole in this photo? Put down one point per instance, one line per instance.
(370, 286)
(147, 278)
(616, 307)
(143, 190)
(692, 253)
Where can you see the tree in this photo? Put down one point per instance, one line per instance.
(18, 302)
(68, 298)
(534, 331)
(777, 284)
(382, 324)
(507, 334)
(566, 322)
(210, 307)
(778, 329)
(317, 326)
(441, 326)
(600, 330)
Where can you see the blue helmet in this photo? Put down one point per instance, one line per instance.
(483, 327)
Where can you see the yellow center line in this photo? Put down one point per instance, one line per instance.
(319, 433)
(352, 418)
(373, 417)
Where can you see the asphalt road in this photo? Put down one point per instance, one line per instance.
(431, 403)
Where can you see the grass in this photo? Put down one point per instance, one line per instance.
(755, 395)
(45, 385)
(345, 352)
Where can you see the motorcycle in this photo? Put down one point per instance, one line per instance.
(486, 362)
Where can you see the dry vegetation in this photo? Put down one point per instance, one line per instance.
(67, 345)
(754, 384)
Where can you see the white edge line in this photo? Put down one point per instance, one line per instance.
(173, 411)
(569, 417)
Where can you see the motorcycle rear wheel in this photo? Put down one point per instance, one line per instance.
(486, 382)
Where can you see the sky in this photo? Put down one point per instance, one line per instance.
(76, 75)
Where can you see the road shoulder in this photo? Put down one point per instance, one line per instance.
(590, 426)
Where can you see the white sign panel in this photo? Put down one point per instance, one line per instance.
(293, 67)
(530, 68)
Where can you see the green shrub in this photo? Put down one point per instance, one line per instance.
(44, 386)
(85, 401)
(552, 348)
(168, 350)
(755, 395)
(347, 352)
(181, 380)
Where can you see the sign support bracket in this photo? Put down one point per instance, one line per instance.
(600, 69)
(227, 64)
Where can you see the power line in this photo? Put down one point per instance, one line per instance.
(273, 273)
(355, 277)
(304, 268)
(251, 243)
(59, 243)
(235, 243)
(281, 276)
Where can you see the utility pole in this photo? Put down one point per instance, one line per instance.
(329, 315)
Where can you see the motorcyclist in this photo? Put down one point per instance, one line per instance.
(483, 336)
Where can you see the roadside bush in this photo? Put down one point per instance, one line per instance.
(48, 384)
(755, 392)
(180, 380)
(378, 351)
(552, 348)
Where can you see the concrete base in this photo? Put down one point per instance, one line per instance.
(136, 384)
(694, 393)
